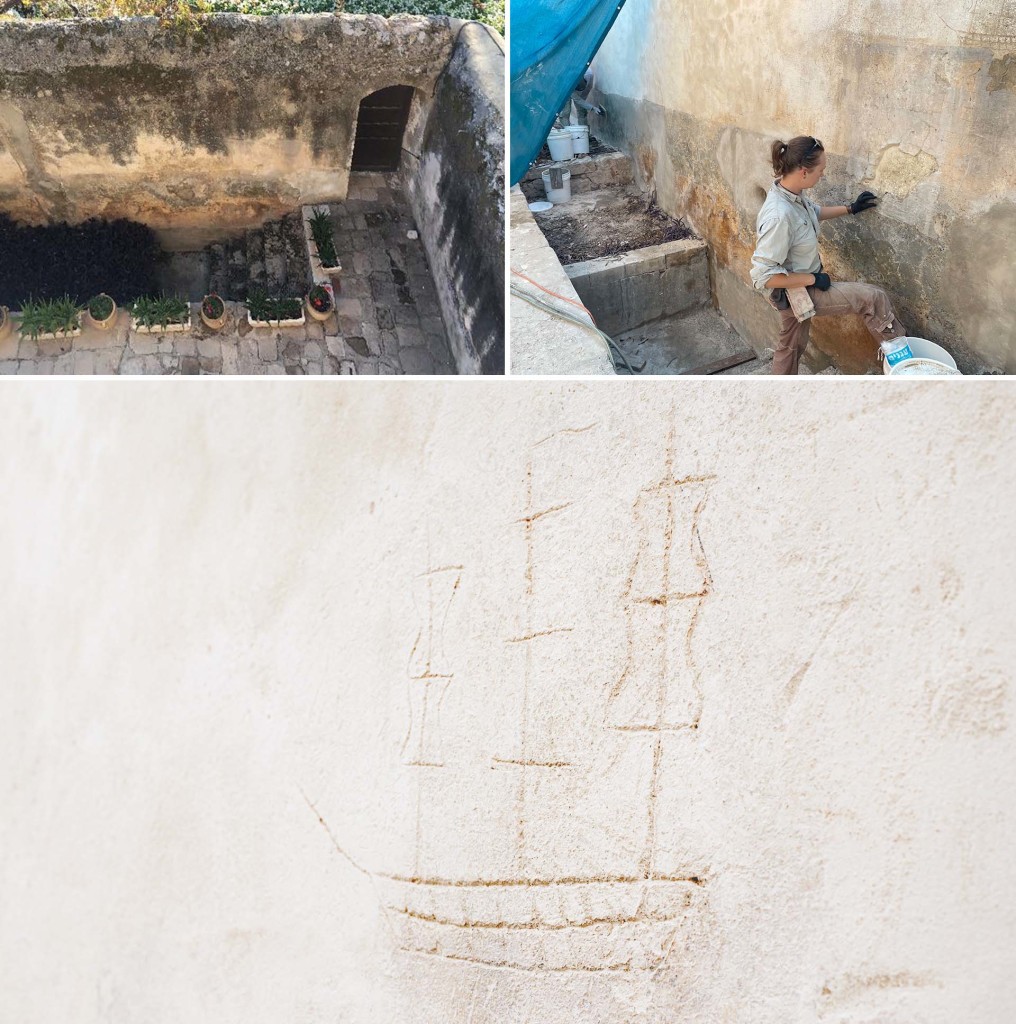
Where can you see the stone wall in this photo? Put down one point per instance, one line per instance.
(624, 292)
(588, 173)
(507, 704)
(457, 193)
(196, 132)
(916, 102)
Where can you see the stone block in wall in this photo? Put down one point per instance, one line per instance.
(643, 299)
(589, 173)
(625, 291)
(685, 287)
(600, 290)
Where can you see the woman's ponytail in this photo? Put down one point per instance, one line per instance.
(801, 151)
(779, 153)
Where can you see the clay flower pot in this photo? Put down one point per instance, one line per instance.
(99, 305)
(320, 303)
(213, 312)
(5, 322)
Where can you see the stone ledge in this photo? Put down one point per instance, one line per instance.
(589, 173)
(623, 292)
(641, 261)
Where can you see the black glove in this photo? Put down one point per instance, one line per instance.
(865, 201)
(822, 282)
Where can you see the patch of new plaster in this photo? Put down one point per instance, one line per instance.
(900, 172)
(969, 706)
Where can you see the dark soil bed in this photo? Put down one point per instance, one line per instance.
(117, 257)
(636, 224)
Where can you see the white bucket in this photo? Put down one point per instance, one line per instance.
(560, 143)
(923, 349)
(558, 195)
(580, 138)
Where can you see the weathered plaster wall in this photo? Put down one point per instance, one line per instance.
(227, 125)
(456, 187)
(916, 101)
(430, 724)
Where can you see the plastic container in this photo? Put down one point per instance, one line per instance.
(580, 138)
(921, 349)
(923, 368)
(562, 193)
(561, 144)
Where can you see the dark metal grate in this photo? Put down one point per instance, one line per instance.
(379, 127)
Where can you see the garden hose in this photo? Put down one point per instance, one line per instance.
(562, 314)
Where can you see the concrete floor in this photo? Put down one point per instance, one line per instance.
(680, 344)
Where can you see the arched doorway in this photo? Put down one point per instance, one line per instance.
(380, 124)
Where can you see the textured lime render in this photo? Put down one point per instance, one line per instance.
(508, 703)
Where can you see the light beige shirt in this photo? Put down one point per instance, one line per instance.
(787, 236)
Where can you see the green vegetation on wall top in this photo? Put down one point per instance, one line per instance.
(182, 11)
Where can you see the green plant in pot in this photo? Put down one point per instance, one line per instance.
(50, 318)
(213, 311)
(264, 309)
(166, 313)
(102, 311)
(321, 232)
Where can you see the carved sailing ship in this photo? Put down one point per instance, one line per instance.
(532, 921)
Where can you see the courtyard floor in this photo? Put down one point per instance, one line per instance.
(387, 318)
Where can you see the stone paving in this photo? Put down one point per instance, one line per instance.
(387, 319)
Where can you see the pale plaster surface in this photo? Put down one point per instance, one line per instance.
(507, 703)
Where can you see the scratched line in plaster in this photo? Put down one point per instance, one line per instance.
(429, 672)
(532, 634)
(599, 925)
(530, 922)
(430, 676)
(668, 583)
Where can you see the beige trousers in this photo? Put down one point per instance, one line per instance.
(870, 303)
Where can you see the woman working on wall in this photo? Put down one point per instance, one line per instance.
(787, 255)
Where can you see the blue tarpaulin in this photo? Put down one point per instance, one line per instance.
(552, 43)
